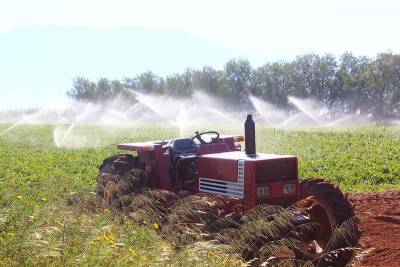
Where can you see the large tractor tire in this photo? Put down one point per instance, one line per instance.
(119, 177)
(119, 164)
(337, 228)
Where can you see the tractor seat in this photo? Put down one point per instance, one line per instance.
(183, 147)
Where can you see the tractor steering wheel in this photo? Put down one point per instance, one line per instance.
(212, 135)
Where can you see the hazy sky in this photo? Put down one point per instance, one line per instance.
(258, 30)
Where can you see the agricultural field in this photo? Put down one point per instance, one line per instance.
(47, 210)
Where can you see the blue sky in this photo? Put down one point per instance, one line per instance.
(45, 43)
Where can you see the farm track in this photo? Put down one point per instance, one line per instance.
(379, 215)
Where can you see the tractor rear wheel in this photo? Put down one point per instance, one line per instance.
(327, 206)
(119, 164)
(119, 177)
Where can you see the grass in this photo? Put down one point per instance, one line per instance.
(37, 179)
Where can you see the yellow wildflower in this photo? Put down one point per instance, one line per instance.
(37, 206)
(10, 233)
(145, 222)
(19, 197)
(106, 210)
(58, 222)
(212, 255)
(92, 242)
(43, 199)
(155, 226)
(108, 237)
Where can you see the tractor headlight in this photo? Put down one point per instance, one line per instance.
(289, 188)
(263, 191)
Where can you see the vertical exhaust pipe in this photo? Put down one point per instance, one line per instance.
(250, 136)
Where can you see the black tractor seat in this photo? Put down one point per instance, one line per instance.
(182, 153)
(182, 147)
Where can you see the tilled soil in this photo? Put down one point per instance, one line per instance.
(379, 215)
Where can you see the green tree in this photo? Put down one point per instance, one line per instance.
(383, 78)
(350, 83)
(82, 89)
(208, 80)
(104, 90)
(271, 82)
(179, 84)
(238, 81)
(146, 82)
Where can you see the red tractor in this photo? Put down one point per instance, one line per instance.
(214, 164)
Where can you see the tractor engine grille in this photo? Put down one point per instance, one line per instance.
(224, 188)
(276, 170)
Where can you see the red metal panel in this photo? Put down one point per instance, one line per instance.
(223, 166)
(250, 189)
(213, 148)
(139, 147)
(229, 141)
(242, 155)
(222, 169)
(277, 196)
(163, 165)
(278, 169)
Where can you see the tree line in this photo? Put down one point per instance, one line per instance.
(348, 83)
